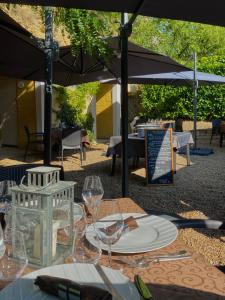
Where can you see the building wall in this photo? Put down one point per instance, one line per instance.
(39, 99)
(104, 111)
(8, 111)
(26, 109)
(116, 95)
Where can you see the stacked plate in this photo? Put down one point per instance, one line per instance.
(152, 233)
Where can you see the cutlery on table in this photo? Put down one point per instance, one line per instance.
(142, 216)
(108, 283)
(145, 261)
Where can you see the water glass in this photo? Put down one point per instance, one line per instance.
(92, 193)
(109, 225)
(5, 199)
(14, 260)
(2, 243)
(83, 250)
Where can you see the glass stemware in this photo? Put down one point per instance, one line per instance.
(109, 228)
(92, 193)
(5, 199)
(83, 251)
(14, 260)
(2, 244)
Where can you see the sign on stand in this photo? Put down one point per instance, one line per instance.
(159, 156)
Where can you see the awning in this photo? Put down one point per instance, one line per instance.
(197, 11)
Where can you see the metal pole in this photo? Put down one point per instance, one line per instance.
(124, 33)
(195, 88)
(48, 84)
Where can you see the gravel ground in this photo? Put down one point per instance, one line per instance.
(198, 191)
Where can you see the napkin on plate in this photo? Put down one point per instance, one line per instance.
(129, 224)
(70, 290)
(142, 288)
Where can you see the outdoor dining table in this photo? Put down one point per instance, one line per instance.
(189, 279)
(136, 147)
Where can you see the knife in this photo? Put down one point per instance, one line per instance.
(135, 218)
(108, 283)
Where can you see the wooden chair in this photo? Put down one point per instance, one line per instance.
(35, 138)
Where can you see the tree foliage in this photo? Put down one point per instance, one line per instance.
(72, 102)
(86, 30)
(171, 102)
(179, 39)
(174, 38)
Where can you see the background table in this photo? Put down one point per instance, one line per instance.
(136, 147)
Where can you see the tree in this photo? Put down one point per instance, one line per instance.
(172, 102)
(179, 39)
(86, 30)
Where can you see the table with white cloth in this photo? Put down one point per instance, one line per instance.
(136, 147)
(184, 279)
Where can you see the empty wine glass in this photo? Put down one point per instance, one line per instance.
(5, 199)
(83, 250)
(14, 260)
(2, 244)
(92, 193)
(110, 224)
(63, 216)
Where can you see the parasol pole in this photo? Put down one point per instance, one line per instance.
(48, 84)
(195, 90)
(124, 34)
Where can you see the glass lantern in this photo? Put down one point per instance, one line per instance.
(43, 211)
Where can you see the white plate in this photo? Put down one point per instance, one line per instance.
(152, 233)
(24, 289)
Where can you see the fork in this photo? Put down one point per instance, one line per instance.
(144, 262)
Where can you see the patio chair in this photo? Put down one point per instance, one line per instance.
(72, 141)
(222, 132)
(16, 172)
(215, 128)
(179, 125)
(35, 138)
(169, 125)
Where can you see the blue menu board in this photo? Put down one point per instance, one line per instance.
(159, 156)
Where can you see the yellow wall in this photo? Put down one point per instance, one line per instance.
(26, 109)
(104, 111)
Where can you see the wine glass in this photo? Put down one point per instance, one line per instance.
(62, 215)
(5, 199)
(2, 244)
(83, 250)
(92, 193)
(14, 260)
(110, 224)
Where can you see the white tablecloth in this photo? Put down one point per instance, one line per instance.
(180, 139)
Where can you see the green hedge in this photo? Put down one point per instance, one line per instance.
(170, 102)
